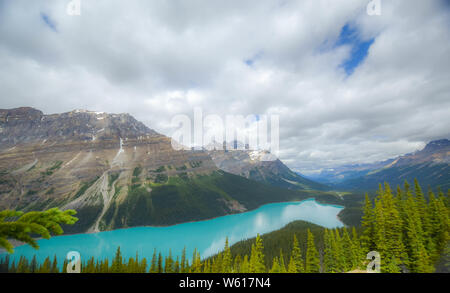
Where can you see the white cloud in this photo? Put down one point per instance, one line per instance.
(155, 59)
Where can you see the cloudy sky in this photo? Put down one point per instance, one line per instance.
(349, 87)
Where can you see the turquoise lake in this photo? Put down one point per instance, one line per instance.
(207, 236)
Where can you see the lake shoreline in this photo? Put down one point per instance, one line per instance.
(17, 243)
(208, 237)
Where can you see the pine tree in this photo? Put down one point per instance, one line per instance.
(401, 204)
(143, 265)
(312, 256)
(226, 261)
(282, 263)
(154, 264)
(177, 265)
(183, 261)
(357, 252)
(33, 265)
(218, 267)
(420, 198)
(275, 266)
(380, 233)
(348, 251)
(291, 266)
(413, 235)
(389, 263)
(439, 226)
(207, 266)
(328, 254)
(97, 267)
(196, 262)
(104, 266)
(168, 264)
(421, 205)
(54, 268)
(418, 256)
(414, 238)
(368, 222)
(45, 268)
(159, 268)
(257, 257)
(129, 266)
(245, 267)
(64, 267)
(296, 261)
(237, 264)
(338, 252)
(444, 231)
(117, 263)
(395, 250)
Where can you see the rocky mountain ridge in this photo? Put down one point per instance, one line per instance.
(27, 125)
(248, 163)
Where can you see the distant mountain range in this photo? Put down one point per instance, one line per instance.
(431, 166)
(116, 172)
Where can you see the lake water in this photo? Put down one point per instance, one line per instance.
(207, 236)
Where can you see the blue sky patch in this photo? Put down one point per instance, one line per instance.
(350, 36)
(48, 21)
(250, 61)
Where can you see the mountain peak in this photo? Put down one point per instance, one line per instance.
(437, 144)
(20, 114)
(28, 125)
